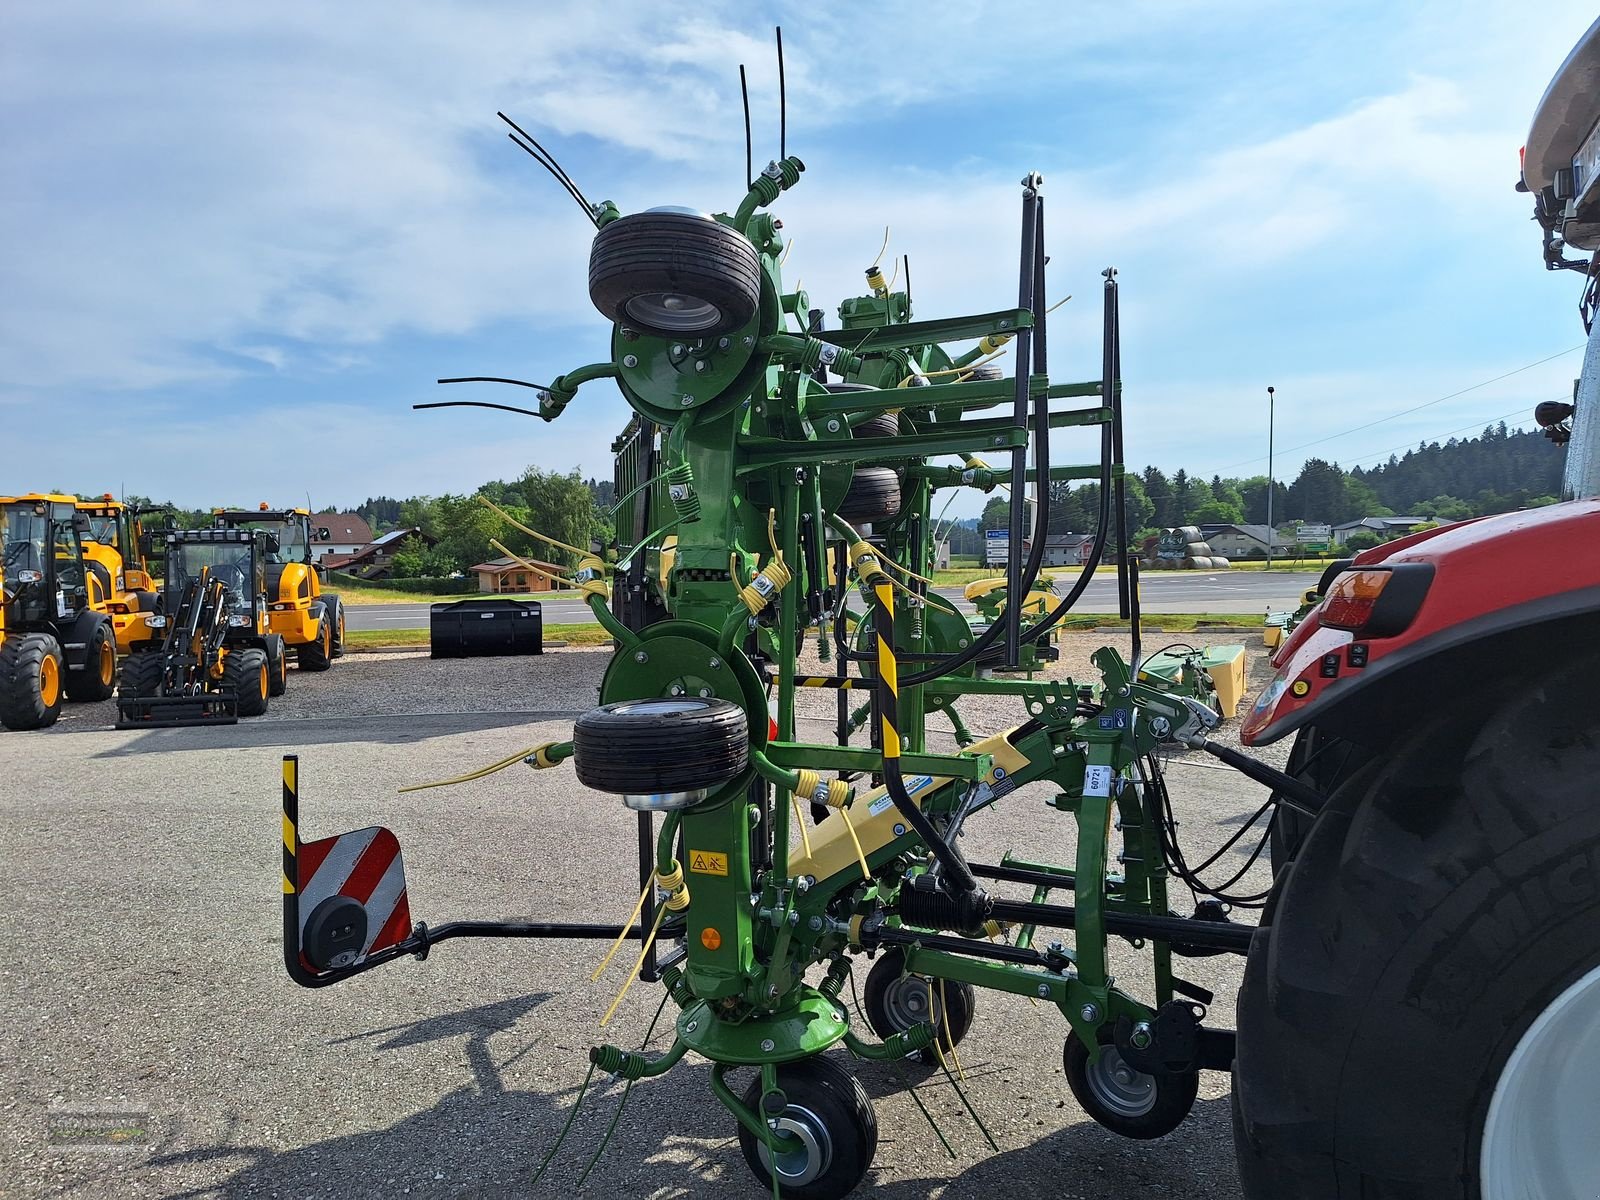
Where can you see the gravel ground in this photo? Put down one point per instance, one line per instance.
(143, 974)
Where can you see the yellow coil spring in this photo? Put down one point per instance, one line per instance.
(771, 580)
(673, 882)
(680, 490)
(995, 340)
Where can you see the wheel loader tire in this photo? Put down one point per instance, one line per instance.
(337, 607)
(98, 679)
(1435, 950)
(874, 495)
(277, 665)
(661, 745)
(31, 678)
(317, 654)
(674, 275)
(245, 671)
(140, 674)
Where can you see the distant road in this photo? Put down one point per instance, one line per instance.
(1177, 591)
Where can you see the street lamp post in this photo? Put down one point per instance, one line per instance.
(1271, 532)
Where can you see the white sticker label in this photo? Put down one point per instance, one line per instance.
(828, 353)
(1097, 781)
(881, 804)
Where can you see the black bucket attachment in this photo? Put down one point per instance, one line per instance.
(166, 712)
(491, 626)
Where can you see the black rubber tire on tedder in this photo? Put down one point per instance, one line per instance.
(828, 1110)
(1446, 899)
(874, 495)
(880, 426)
(1123, 1099)
(895, 1002)
(674, 275)
(246, 674)
(661, 744)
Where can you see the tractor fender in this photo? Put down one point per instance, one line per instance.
(1479, 654)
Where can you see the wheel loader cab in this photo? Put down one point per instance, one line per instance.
(310, 620)
(58, 636)
(113, 542)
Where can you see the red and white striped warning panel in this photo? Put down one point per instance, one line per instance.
(366, 867)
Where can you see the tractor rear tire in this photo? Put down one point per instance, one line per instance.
(1435, 950)
(246, 672)
(837, 1132)
(874, 495)
(31, 673)
(317, 654)
(894, 1002)
(277, 665)
(680, 744)
(140, 674)
(674, 275)
(98, 679)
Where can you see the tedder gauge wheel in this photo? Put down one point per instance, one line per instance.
(98, 679)
(31, 670)
(874, 495)
(245, 671)
(833, 1132)
(1420, 1015)
(882, 425)
(895, 1002)
(1125, 1100)
(277, 665)
(661, 752)
(675, 274)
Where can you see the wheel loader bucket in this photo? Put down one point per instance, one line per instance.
(165, 712)
(486, 627)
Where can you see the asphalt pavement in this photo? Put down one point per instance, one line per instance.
(1171, 592)
(141, 977)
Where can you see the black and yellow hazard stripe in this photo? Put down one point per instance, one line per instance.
(888, 668)
(291, 820)
(841, 683)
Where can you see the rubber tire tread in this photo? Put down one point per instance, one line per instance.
(874, 495)
(21, 705)
(336, 606)
(316, 655)
(820, 1084)
(647, 252)
(641, 753)
(241, 671)
(277, 665)
(1449, 890)
(85, 686)
(958, 1010)
(139, 674)
(1175, 1097)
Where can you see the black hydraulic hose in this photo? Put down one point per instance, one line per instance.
(1012, 618)
(1110, 387)
(886, 691)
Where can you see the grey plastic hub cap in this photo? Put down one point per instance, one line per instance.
(1540, 1139)
(799, 1164)
(1118, 1087)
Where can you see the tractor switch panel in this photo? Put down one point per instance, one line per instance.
(1356, 654)
(1330, 666)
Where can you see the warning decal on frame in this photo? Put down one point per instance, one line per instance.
(708, 863)
(1097, 781)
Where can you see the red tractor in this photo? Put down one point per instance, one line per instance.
(1420, 1015)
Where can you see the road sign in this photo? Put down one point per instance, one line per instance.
(1312, 533)
(996, 546)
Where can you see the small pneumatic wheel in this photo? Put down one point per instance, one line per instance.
(895, 1001)
(874, 495)
(831, 1132)
(674, 274)
(1125, 1100)
(661, 752)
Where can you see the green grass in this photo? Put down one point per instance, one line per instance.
(353, 595)
(588, 634)
(1163, 622)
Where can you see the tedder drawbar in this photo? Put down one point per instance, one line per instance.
(777, 484)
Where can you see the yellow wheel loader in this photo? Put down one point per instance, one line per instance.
(114, 540)
(310, 619)
(56, 639)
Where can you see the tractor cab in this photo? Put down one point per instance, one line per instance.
(113, 537)
(57, 635)
(236, 558)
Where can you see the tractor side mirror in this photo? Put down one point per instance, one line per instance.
(346, 897)
(324, 534)
(80, 523)
(272, 544)
(148, 545)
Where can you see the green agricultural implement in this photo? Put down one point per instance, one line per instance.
(776, 486)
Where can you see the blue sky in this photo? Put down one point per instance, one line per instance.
(241, 240)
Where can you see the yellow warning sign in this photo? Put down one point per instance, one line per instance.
(708, 863)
